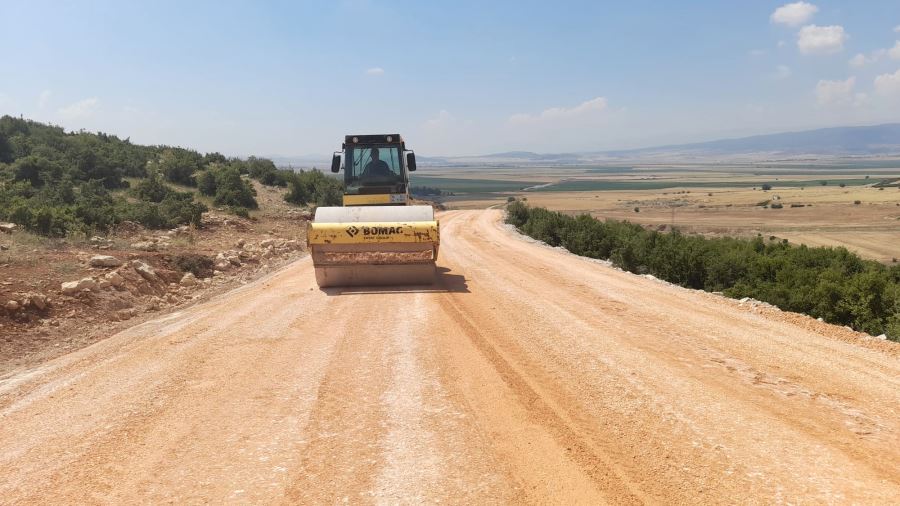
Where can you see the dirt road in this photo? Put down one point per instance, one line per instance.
(527, 375)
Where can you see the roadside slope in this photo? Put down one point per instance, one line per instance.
(526, 375)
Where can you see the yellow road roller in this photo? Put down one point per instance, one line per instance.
(377, 237)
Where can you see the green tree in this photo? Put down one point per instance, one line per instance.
(314, 187)
(152, 189)
(6, 154)
(179, 165)
(232, 190)
(206, 181)
(37, 170)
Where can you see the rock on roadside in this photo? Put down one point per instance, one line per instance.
(144, 270)
(188, 280)
(105, 261)
(73, 287)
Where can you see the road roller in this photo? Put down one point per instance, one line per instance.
(377, 237)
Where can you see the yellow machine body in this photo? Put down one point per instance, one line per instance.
(377, 237)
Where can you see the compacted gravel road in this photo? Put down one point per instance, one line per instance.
(526, 375)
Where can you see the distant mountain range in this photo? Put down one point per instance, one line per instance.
(877, 140)
(824, 143)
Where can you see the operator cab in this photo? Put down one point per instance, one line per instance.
(375, 165)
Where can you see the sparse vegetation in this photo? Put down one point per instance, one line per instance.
(828, 283)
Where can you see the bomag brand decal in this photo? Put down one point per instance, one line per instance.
(382, 230)
(353, 233)
(353, 230)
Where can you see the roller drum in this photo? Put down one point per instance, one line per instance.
(374, 245)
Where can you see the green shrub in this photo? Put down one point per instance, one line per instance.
(179, 165)
(314, 187)
(200, 266)
(232, 190)
(206, 182)
(239, 211)
(180, 209)
(152, 189)
(828, 283)
(176, 209)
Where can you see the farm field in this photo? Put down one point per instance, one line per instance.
(712, 203)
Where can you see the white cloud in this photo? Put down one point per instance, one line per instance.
(897, 28)
(781, 43)
(821, 39)
(756, 53)
(859, 60)
(794, 14)
(81, 109)
(44, 98)
(888, 84)
(835, 92)
(782, 72)
(894, 52)
(591, 106)
(375, 71)
(442, 119)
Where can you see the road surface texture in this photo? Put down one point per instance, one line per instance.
(526, 375)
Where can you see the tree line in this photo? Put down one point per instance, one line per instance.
(54, 182)
(829, 283)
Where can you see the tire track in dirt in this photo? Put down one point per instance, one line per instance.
(525, 375)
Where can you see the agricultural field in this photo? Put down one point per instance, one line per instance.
(858, 208)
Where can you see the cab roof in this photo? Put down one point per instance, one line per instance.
(351, 140)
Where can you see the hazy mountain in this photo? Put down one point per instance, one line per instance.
(863, 140)
(875, 140)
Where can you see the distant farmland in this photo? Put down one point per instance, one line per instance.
(462, 185)
(604, 185)
(477, 185)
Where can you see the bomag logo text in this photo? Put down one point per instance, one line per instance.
(382, 230)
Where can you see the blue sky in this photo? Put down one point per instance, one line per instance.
(291, 78)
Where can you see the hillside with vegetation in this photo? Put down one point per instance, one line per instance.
(56, 183)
